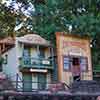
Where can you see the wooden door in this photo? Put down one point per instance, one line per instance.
(27, 81)
(41, 81)
(76, 68)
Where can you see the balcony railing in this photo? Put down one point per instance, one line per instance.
(39, 63)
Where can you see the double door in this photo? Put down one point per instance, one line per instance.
(34, 81)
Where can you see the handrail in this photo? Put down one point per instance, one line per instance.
(36, 62)
(36, 58)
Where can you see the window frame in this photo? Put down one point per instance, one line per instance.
(69, 63)
(86, 64)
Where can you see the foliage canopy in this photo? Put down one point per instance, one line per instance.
(45, 17)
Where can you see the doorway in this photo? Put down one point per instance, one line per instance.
(41, 52)
(41, 81)
(76, 68)
(27, 82)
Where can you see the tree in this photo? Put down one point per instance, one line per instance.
(7, 21)
(48, 16)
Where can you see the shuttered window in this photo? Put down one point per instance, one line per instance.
(84, 64)
(66, 63)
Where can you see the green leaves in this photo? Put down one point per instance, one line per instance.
(7, 21)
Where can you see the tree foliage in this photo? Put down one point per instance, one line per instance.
(7, 21)
(48, 16)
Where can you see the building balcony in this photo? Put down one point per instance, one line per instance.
(35, 63)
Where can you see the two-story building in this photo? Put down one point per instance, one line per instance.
(32, 60)
(74, 57)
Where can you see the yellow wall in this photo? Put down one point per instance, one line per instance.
(72, 45)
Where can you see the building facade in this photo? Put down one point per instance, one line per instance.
(32, 60)
(74, 58)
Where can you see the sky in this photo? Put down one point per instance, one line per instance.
(16, 7)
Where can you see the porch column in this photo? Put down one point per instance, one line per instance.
(53, 66)
(38, 52)
(52, 53)
(22, 46)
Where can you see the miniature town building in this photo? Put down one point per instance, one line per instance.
(74, 58)
(30, 59)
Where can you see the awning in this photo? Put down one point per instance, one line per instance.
(33, 39)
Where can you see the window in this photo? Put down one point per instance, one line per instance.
(27, 54)
(42, 52)
(84, 64)
(79, 62)
(66, 62)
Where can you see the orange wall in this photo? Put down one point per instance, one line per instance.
(72, 45)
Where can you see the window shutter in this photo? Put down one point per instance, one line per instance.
(66, 63)
(84, 64)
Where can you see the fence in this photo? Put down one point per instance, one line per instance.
(79, 90)
(52, 96)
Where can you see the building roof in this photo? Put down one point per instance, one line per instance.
(6, 44)
(8, 40)
(33, 39)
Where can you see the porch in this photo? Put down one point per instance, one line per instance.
(35, 63)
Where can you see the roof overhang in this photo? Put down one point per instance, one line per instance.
(8, 41)
(33, 39)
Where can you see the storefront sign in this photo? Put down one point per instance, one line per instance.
(46, 62)
(38, 70)
(75, 51)
(73, 43)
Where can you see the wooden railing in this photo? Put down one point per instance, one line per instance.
(36, 63)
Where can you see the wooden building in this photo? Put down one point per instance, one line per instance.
(5, 45)
(74, 57)
(30, 59)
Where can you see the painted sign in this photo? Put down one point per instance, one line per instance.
(33, 39)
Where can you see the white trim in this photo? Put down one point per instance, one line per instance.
(39, 70)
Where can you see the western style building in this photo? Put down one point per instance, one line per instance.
(74, 57)
(31, 58)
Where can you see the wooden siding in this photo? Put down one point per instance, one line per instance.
(71, 45)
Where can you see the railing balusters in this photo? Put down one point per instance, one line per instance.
(16, 81)
(36, 62)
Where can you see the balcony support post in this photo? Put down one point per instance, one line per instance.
(38, 52)
(52, 53)
(22, 46)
